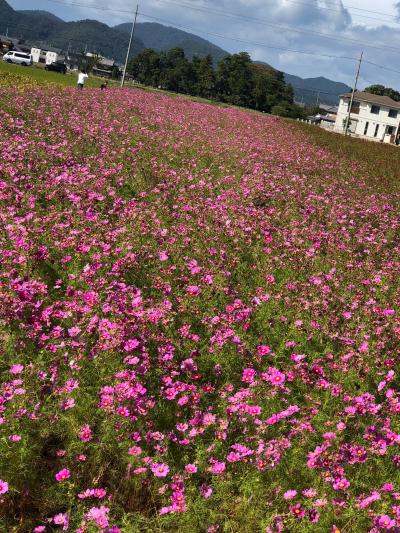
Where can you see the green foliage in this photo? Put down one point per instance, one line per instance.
(381, 90)
(236, 80)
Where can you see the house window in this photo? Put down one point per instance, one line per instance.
(391, 130)
(366, 128)
(392, 113)
(375, 109)
(355, 108)
(376, 130)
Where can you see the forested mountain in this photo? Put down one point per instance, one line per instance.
(43, 27)
(308, 90)
(159, 37)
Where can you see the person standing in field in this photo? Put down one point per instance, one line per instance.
(82, 76)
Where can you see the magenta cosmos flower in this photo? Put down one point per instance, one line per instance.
(218, 468)
(193, 290)
(160, 469)
(3, 486)
(263, 349)
(384, 521)
(63, 474)
(248, 375)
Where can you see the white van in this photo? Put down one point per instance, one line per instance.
(19, 58)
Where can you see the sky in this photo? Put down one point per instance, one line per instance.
(268, 28)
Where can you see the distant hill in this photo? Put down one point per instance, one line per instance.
(43, 27)
(306, 89)
(160, 37)
(38, 13)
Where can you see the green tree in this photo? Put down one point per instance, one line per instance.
(381, 90)
(146, 67)
(205, 77)
(177, 73)
(235, 79)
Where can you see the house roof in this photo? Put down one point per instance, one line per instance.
(106, 62)
(6, 39)
(374, 99)
(327, 119)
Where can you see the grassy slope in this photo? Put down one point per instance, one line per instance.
(40, 75)
(380, 161)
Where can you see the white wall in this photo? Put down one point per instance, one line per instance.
(376, 122)
(51, 57)
(35, 54)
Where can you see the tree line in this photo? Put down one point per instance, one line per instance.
(236, 80)
(381, 90)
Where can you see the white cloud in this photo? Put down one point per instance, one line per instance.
(263, 22)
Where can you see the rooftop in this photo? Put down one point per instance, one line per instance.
(374, 99)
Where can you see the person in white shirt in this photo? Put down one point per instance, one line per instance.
(82, 76)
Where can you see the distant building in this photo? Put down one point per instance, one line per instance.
(8, 43)
(46, 55)
(106, 68)
(372, 117)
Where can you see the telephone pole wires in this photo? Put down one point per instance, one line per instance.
(130, 46)
(352, 94)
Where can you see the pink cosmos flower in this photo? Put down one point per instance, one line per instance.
(191, 468)
(193, 290)
(3, 486)
(297, 511)
(248, 375)
(131, 344)
(218, 468)
(341, 484)
(16, 369)
(74, 331)
(62, 519)
(99, 516)
(363, 348)
(385, 522)
(206, 490)
(63, 474)
(135, 450)
(85, 433)
(90, 298)
(263, 349)
(290, 494)
(160, 469)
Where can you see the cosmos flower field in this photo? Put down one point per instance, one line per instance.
(199, 321)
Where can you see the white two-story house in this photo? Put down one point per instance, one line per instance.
(372, 117)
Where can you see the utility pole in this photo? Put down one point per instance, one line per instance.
(128, 53)
(7, 32)
(352, 94)
(317, 103)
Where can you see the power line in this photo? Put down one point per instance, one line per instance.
(291, 1)
(242, 17)
(390, 49)
(346, 6)
(213, 34)
(320, 7)
(381, 67)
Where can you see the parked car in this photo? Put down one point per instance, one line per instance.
(58, 66)
(19, 58)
